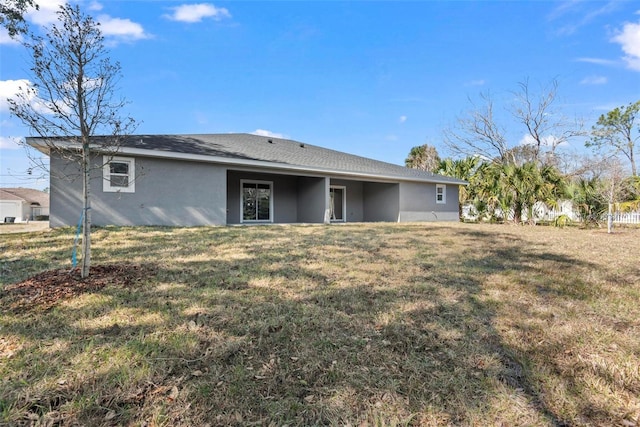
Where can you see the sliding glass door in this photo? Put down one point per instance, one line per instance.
(256, 201)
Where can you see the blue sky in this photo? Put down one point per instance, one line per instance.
(369, 78)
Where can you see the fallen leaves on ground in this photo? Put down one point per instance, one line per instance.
(46, 289)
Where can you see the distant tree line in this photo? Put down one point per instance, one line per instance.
(508, 181)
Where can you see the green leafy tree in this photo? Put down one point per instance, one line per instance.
(424, 157)
(12, 15)
(75, 81)
(630, 191)
(617, 131)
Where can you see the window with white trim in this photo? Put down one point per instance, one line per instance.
(256, 201)
(441, 193)
(118, 175)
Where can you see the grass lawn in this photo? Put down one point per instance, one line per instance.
(377, 324)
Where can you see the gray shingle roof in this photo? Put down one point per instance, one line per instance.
(28, 195)
(278, 152)
(267, 152)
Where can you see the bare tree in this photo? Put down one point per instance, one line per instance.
(12, 15)
(424, 157)
(478, 133)
(612, 187)
(545, 129)
(74, 85)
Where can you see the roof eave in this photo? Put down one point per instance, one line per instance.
(206, 158)
(279, 166)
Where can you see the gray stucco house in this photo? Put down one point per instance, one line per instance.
(219, 179)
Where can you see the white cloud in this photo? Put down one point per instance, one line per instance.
(574, 15)
(608, 106)
(6, 40)
(115, 28)
(527, 140)
(197, 12)
(391, 137)
(263, 132)
(11, 88)
(629, 39)
(402, 119)
(598, 61)
(547, 141)
(121, 29)
(479, 82)
(95, 6)
(46, 13)
(594, 80)
(10, 143)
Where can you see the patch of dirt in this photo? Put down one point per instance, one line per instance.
(46, 289)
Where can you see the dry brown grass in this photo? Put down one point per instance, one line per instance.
(23, 227)
(376, 324)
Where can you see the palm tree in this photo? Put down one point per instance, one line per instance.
(464, 169)
(483, 190)
(516, 189)
(588, 200)
(424, 157)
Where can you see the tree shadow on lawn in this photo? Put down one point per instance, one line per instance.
(283, 335)
(574, 364)
(16, 268)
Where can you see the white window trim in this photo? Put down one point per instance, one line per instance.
(106, 175)
(444, 194)
(344, 202)
(253, 181)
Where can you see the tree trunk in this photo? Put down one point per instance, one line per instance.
(517, 213)
(86, 223)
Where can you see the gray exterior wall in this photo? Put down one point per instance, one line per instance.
(188, 193)
(380, 202)
(312, 199)
(418, 203)
(354, 192)
(285, 196)
(167, 193)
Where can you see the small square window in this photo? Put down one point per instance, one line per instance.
(441, 193)
(118, 175)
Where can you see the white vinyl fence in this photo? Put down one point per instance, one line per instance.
(618, 217)
(626, 218)
(542, 213)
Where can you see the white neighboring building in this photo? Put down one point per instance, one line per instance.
(22, 204)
